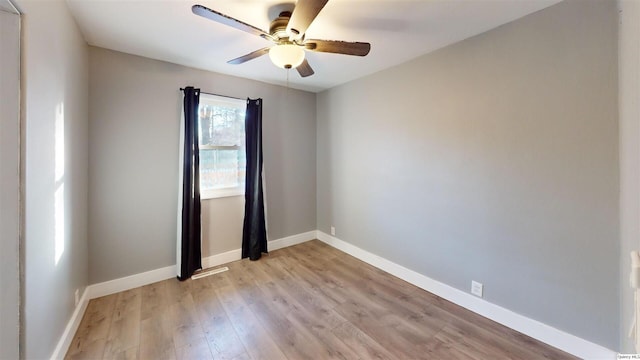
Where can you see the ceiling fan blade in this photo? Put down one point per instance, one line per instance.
(303, 15)
(249, 56)
(229, 21)
(305, 69)
(338, 47)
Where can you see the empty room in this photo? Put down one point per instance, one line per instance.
(314, 179)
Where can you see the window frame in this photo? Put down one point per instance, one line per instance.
(208, 99)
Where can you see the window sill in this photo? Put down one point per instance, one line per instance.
(221, 193)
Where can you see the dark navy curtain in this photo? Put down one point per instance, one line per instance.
(190, 256)
(254, 233)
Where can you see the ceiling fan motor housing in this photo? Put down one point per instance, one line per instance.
(279, 26)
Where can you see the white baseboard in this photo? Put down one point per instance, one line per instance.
(72, 326)
(234, 255)
(130, 282)
(537, 330)
(292, 240)
(219, 259)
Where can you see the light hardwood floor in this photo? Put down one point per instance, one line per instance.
(307, 301)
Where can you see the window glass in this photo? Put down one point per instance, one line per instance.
(222, 146)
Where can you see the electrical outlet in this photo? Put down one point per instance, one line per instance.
(77, 296)
(476, 288)
(333, 231)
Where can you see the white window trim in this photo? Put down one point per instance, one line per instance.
(221, 193)
(227, 191)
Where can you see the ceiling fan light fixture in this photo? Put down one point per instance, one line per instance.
(286, 56)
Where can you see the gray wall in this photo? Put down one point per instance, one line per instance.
(55, 80)
(9, 182)
(495, 160)
(135, 106)
(629, 93)
(222, 220)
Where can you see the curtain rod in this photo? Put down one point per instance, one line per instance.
(230, 97)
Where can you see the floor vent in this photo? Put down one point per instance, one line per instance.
(204, 273)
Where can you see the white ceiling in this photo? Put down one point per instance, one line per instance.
(7, 6)
(397, 30)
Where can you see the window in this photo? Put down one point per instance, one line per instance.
(222, 148)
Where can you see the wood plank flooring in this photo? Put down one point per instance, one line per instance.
(308, 301)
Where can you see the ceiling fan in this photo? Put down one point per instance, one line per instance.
(287, 33)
